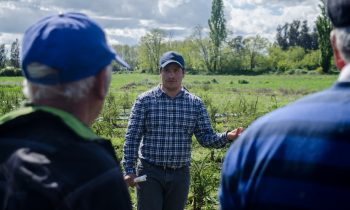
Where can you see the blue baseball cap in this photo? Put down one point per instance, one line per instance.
(338, 12)
(172, 57)
(70, 43)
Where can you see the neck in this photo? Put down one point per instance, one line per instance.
(171, 92)
(82, 109)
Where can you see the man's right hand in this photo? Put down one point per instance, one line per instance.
(129, 179)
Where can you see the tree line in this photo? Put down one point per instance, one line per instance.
(297, 48)
(13, 59)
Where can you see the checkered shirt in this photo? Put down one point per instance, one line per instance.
(160, 129)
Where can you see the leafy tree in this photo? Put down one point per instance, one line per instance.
(276, 54)
(296, 33)
(281, 36)
(191, 53)
(295, 55)
(311, 60)
(129, 54)
(150, 50)
(324, 27)
(293, 33)
(203, 46)
(305, 39)
(293, 58)
(254, 47)
(14, 57)
(231, 62)
(236, 49)
(2, 56)
(218, 33)
(314, 39)
(236, 44)
(189, 49)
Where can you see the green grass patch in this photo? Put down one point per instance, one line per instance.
(231, 101)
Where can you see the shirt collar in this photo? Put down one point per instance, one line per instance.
(160, 92)
(72, 122)
(344, 75)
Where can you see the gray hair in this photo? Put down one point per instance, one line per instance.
(73, 91)
(342, 36)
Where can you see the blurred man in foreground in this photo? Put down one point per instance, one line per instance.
(298, 157)
(50, 157)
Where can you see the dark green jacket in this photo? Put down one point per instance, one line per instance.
(51, 160)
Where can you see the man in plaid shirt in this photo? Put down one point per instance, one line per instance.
(159, 135)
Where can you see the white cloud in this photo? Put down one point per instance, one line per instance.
(114, 35)
(251, 17)
(166, 6)
(272, 2)
(125, 21)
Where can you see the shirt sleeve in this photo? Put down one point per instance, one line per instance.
(230, 196)
(133, 136)
(204, 132)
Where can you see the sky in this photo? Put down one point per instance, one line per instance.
(126, 21)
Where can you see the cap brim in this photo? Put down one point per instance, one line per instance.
(171, 61)
(121, 62)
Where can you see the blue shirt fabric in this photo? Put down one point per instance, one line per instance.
(297, 157)
(160, 129)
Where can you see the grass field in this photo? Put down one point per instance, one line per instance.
(219, 86)
(268, 91)
(231, 101)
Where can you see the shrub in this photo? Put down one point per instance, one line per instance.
(319, 70)
(243, 81)
(214, 81)
(203, 183)
(314, 72)
(10, 71)
(296, 71)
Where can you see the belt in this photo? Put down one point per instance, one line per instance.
(165, 168)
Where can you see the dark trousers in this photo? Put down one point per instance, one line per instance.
(165, 189)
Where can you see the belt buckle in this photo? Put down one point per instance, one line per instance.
(173, 167)
(170, 167)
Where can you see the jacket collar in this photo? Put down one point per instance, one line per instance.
(72, 122)
(344, 75)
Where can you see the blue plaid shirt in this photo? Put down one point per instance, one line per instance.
(160, 129)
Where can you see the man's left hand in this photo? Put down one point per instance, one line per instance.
(232, 135)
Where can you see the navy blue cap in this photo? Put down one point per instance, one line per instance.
(172, 57)
(71, 43)
(339, 12)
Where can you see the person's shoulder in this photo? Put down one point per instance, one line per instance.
(149, 93)
(192, 96)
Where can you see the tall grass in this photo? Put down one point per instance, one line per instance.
(231, 101)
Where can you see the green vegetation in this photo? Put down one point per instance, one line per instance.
(231, 101)
(217, 34)
(324, 27)
(289, 67)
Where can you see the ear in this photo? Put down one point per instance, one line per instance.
(101, 84)
(339, 62)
